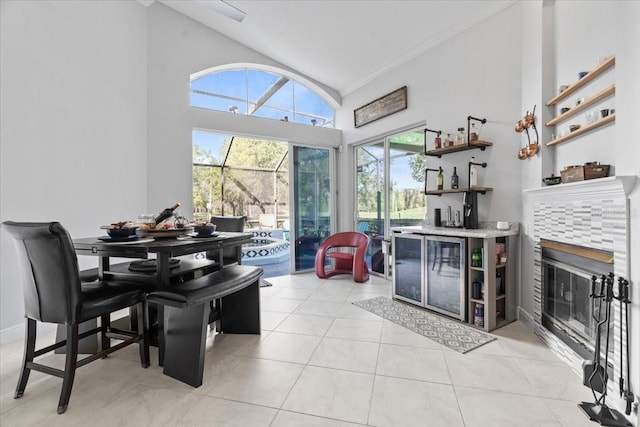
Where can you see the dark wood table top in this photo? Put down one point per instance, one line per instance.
(142, 247)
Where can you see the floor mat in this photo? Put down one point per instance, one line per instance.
(264, 283)
(442, 330)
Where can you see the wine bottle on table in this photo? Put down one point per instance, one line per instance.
(166, 214)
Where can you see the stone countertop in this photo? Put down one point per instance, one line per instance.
(487, 230)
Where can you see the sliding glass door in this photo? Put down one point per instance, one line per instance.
(370, 200)
(389, 190)
(312, 201)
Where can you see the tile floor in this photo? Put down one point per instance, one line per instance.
(320, 361)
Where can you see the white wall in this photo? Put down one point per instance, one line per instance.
(73, 79)
(478, 73)
(581, 32)
(178, 48)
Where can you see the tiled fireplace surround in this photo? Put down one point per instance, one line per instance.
(592, 214)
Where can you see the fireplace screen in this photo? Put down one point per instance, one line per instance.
(566, 299)
(567, 309)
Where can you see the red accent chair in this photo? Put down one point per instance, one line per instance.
(345, 262)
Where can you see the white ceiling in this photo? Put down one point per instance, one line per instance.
(342, 43)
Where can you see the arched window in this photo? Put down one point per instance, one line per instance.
(261, 94)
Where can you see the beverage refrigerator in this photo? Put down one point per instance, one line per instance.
(429, 271)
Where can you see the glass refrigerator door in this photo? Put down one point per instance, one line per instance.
(408, 250)
(445, 271)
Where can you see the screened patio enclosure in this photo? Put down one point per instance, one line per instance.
(240, 176)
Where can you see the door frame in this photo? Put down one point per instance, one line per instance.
(333, 197)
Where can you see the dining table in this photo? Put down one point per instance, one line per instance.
(164, 249)
(165, 262)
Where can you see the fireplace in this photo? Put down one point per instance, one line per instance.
(591, 215)
(568, 312)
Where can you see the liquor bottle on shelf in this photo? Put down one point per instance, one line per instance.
(473, 133)
(166, 214)
(438, 141)
(473, 174)
(460, 140)
(440, 180)
(454, 179)
(448, 142)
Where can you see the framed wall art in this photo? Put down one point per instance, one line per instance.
(381, 107)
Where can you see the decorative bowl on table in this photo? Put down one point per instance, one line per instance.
(203, 230)
(120, 230)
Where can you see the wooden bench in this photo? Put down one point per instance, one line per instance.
(186, 316)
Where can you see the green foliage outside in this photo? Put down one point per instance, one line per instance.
(251, 184)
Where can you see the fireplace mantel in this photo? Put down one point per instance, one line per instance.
(611, 185)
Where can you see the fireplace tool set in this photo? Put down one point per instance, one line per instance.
(595, 372)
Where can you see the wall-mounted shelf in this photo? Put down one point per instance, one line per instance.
(481, 190)
(583, 81)
(583, 106)
(464, 147)
(606, 120)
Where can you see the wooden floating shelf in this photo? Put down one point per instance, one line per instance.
(458, 190)
(610, 118)
(455, 148)
(583, 106)
(583, 81)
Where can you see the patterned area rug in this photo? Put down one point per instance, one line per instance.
(442, 330)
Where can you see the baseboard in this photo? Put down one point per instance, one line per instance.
(526, 318)
(16, 333)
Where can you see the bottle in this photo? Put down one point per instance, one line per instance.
(479, 315)
(454, 179)
(166, 214)
(475, 258)
(448, 141)
(499, 285)
(460, 138)
(438, 141)
(440, 180)
(473, 174)
(473, 133)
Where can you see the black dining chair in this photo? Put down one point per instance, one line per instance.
(229, 255)
(54, 293)
(228, 223)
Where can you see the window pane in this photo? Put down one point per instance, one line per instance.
(261, 94)
(258, 82)
(209, 148)
(309, 104)
(229, 83)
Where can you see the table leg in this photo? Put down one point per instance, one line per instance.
(103, 265)
(164, 276)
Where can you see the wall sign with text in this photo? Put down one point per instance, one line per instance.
(381, 107)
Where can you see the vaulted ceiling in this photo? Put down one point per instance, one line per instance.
(343, 44)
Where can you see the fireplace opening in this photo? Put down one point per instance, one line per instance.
(568, 312)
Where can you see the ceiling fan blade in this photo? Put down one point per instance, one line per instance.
(225, 9)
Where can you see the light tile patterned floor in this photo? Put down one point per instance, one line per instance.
(320, 361)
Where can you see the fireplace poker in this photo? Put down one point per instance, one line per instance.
(592, 370)
(628, 395)
(620, 298)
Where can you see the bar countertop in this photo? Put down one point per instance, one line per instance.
(487, 230)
